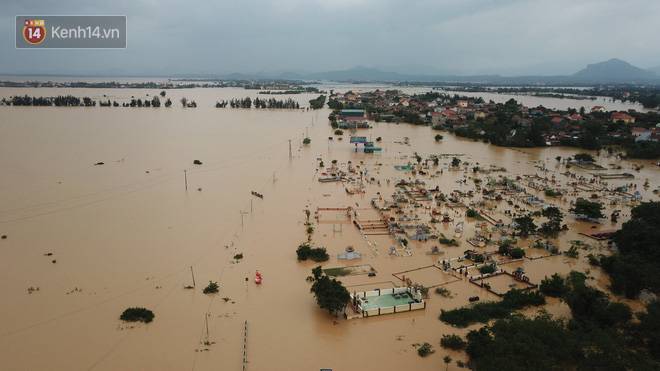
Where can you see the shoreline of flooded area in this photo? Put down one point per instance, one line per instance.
(96, 239)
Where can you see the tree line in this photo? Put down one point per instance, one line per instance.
(71, 101)
(58, 101)
(270, 103)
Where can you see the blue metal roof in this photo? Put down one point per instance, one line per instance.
(358, 139)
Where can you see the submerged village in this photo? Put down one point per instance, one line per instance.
(496, 240)
(425, 229)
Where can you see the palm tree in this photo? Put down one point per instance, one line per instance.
(447, 360)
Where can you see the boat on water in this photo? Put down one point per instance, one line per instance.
(258, 278)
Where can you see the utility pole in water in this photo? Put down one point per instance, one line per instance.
(243, 213)
(193, 275)
(206, 320)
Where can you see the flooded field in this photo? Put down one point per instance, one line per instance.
(556, 103)
(96, 239)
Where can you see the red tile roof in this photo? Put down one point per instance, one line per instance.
(621, 116)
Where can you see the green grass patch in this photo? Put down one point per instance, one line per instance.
(337, 271)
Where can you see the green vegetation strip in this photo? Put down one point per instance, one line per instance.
(483, 312)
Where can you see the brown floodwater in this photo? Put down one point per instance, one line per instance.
(126, 233)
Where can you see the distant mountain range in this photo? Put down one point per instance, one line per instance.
(611, 71)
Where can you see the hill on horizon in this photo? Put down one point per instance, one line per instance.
(614, 70)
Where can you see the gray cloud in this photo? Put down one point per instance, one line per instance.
(455, 36)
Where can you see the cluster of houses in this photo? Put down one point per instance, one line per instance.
(352, 119)
(442, 110)
(643, 134)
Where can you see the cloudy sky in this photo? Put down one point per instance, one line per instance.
(510, 37)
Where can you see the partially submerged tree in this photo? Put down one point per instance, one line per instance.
(588, 209)
(452, 341)
(516, 253)
(306, 251)
(211, 288)
(553, 225)
(137, 314)
(317, 103)
(425, 349)
(525, 225)
(554, 286)
(330, 294)
(488, 268)
(447, 361)
(472, 213)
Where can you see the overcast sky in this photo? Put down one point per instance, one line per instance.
(510, 37)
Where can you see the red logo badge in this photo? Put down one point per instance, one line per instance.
(34, 31)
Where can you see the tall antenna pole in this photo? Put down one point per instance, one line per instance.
(185, 177)
(290, 155)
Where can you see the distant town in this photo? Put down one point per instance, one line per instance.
(505, 124)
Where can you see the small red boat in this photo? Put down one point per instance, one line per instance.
(257, 278)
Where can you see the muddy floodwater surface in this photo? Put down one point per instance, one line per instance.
(95, 239)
